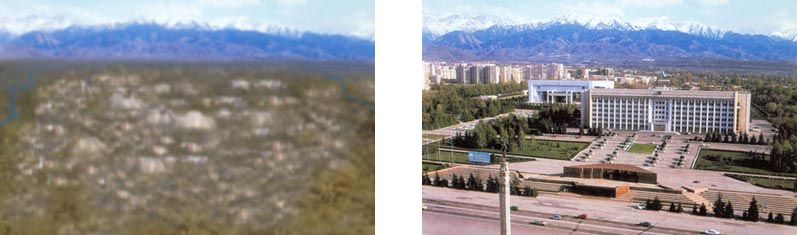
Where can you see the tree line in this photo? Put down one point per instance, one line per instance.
(483, 89)
(475, 183)
(732, 138)
(723, 209)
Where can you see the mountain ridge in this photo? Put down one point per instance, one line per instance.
(570, 42)
(186, 41)
(436, 26)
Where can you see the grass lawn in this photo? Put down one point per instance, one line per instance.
(707, 160)
(765, 182)
(427, 167)
(642, 148)
(433, 136)
(564, 150)
(773, 183)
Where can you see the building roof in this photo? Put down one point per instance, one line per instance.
(664, 93)
(569, 82)
(611, 166)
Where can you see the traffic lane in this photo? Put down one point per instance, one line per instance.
(565, 218)
(445, 223)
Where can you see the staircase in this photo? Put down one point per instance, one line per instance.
(696, 198)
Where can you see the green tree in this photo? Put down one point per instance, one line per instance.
(472, 185)
(703, 209)
(719, 207)
(454, 180)
(752, 214)
(656, 204)
(728, 210)
(779, 218)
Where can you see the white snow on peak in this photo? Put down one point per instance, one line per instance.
(18, 25)
(439, 25)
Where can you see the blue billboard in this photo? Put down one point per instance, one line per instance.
(480, 157)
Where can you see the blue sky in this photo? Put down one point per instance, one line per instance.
(351, 17)
(757, 17)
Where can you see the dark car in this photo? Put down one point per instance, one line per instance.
(644, 224)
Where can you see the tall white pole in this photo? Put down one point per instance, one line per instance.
(506, 226)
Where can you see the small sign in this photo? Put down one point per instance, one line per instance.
(480, 157)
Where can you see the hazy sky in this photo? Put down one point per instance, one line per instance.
(351, 17)
(760, 17)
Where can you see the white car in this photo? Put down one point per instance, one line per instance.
(640, 206)
(712, 232)
(539, 222)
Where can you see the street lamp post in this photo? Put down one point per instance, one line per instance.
(506, 227)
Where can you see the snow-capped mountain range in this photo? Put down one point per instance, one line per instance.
(164, 38)
(19, 25)
(574, 38)
(437, 26)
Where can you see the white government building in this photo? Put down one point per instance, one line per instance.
(666, 110)
(562, 91)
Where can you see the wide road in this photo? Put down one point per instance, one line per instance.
(449, 217)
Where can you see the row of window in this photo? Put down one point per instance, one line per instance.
(674, 128)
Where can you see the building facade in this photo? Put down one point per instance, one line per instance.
(562, 91)
(666, 110)
(619, 172)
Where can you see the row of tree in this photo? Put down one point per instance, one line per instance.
(474, 183)
(722, 209)
(732, 138)
(475, 90)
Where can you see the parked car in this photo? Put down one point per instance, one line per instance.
(539, 222)
(640, 206)
(712, 232)
(644, 224)
(556, 217)
(514, 208)
(424, 207)
(581, 216)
